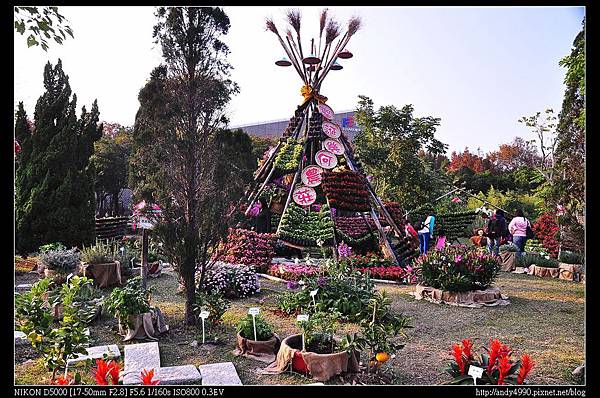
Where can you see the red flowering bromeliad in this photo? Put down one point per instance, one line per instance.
(146, 378)
(497, 363)
(106, 371)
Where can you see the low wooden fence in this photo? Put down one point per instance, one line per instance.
(112, 227)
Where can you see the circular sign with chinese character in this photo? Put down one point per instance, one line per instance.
(326, 111)
(311, 176)
(333, 146)
(331, 130)
(304, 196)
(326, 159)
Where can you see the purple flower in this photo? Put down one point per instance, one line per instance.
(333, 212)
(321, 281)
(344, 250)
(457, 259)
(292, 285)
(256, 207)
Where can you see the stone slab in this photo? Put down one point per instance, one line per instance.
(178, 375)
(139, 357)
(20, 338)
(112, 351)
(223, 373)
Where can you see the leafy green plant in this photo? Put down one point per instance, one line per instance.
(100, 253)
(536, 259)
(215, 303)
(570, 257)
(80, 293)
(319, 331)
(51, 246)
(289, 155)
(245, 328)
(129, 300)
(32, 314)
(509, 247)
(61, 260)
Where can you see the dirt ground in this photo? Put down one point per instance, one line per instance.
(545, 319)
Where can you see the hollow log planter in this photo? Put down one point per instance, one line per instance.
(508, 261)
(471, 298)
(544, 272)
(264, 351)
(104, 275)
(570, 272)
(321, 367)
(146, 326)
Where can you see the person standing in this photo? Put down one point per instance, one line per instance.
(496, 231)
(425, 233)
(518, 229)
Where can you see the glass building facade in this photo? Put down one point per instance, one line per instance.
(275, 128)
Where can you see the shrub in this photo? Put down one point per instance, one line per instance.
(32, 315)
(231, 280)
(215, 303)
(571, 257)
(535, 259)
(51, 246)
(100, 253)
(546, 230)
(129, 300)
(457, 269)
(245, 328)
(509, 247)
(61, 260)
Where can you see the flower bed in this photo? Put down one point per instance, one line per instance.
(232, 280)
(346, 190)
(299, 227)
(354, 231)
(457, 269)
(393, 273)
(292, 271)
(249, 248)
(396, 212)
(369, 260)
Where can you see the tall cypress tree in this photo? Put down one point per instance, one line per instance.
(55, 195)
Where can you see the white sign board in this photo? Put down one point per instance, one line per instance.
(311, 176)
(145, 223)
(326, 159)
(204, 314)
(304, 196)
(333, 146)
(254, 311)
(475, 372)
(302, 318)
(331, 130)
(326, 111)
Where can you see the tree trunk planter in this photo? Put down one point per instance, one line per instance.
(321, 367)
(57, 277)
(472, 298)
(570, 272)
(544, 272)
(147, 326)
(104, 275)
(263, 351)
(508, 261)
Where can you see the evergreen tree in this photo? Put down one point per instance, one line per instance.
(55, 196)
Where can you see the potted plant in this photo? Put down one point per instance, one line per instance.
(570, 265)
(60, 263)
(266, 344)
(129, 304)
(100, 264)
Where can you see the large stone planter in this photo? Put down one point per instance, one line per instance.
(473, 298)
(570, 272)
(544, 272)
(321, 367)
(508, 261)
(264, 351)
(104, 275)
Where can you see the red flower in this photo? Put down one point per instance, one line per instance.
(62, 381)
(105, 370)
(467, 346)
(146, 378)
(494, 353)
(457, 352)
(526, 365)
(504, 365)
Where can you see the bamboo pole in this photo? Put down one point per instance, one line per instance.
(257, 194)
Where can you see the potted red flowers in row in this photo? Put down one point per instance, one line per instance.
(106, 373)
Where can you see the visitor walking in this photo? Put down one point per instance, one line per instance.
(478, 239)
(263, 219)
(440, 242)
(496, 230)
(425, 233)
(518, 230)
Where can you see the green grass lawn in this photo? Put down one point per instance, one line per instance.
(545, 319)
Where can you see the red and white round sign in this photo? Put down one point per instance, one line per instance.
(331, 130)
(311, 176)
(326, 111)
(326, 159)
(333, 146)
(304, 196)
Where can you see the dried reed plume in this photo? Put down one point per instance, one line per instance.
(271, 26)
(354, 26)
(322, 21)
(332, 31)
(293, 17)
(288, 33)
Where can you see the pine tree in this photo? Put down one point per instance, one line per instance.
(55, 196)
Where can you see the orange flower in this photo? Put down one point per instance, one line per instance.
(146, 378)
(504, 365)
(526, 365)
(62, 381)
(467, 346)
(105, 371)
(457, 352)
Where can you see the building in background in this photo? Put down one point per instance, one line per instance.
(275, 128)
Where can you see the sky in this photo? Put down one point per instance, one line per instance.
(479, 69)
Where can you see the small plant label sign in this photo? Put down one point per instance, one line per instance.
(203, 316)
(302, 318)
(313, 293)
(475, 372)
(254, 311)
